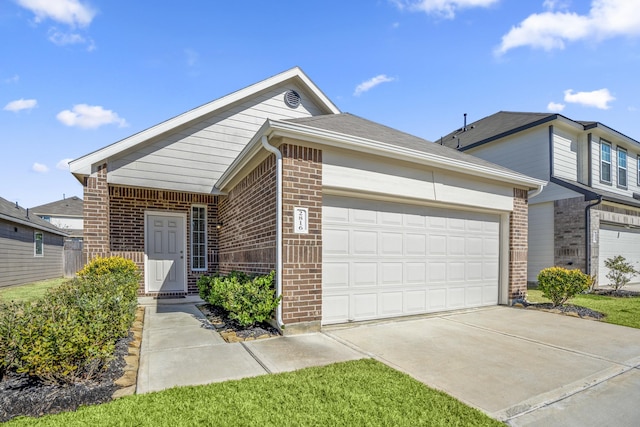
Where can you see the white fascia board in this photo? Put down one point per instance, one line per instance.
(82, 166)
(349, 142)
(612, 133)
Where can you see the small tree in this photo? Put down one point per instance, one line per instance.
(620, 271)
(559, 284)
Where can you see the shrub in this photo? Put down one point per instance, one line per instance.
(71, 332)
(620, 271)
(247, 300)
(559, 284)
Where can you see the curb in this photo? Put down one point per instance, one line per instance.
(127, 383)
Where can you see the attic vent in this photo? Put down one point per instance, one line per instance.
(292, 98)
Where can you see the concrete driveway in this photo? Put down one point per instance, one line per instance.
(524, 367)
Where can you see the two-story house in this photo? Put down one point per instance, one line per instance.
(590, 209)
(65, 214)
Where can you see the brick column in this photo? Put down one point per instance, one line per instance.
(302, 253)
(518, 232)
(96, 215)
(569, 233)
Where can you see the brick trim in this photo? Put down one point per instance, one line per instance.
(518, 241)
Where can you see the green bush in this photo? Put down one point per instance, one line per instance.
(559, 284)
(70, 333)
(620, 271)
(247, 300)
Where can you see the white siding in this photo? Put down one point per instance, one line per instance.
(194, 157)
(632, 167)
(346, 171)
(565, 155)
(540, 239)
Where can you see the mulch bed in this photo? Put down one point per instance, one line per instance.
(568, 309)
(622, 293)
(22, 395)
(231, 330)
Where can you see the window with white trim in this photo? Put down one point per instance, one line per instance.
(38, 244)
(198, 238)
(638, 170)
(605, 162)
(622, 167)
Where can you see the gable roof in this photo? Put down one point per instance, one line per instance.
(70, 206)
(355, 133)
(505, 123)
(82, 166)
(13, 213)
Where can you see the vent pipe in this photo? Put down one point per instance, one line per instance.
(464, 128)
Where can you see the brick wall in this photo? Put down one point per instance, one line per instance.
(518, 225)
(127, 207)
(302, 257)
(248, 213)
(569, 233)
(96, 215)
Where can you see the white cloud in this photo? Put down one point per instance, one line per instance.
(444, 8)
(40, 168)
(90, 117)
(13, 79)
(63, 164)
(192, 57)
(555, 107)
(21, 104)
(552, 30)
(70, 12)
(371, 83)
(61, 38)
(597, 98)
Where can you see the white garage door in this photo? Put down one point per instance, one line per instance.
(616, 240)
(386, 259)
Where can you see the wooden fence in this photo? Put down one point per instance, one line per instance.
(72, 257)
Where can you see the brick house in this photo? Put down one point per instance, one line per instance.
(359, 221)
(590, 210)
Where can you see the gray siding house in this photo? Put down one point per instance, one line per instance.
(31, 248)
(65, 214)
(590, 210)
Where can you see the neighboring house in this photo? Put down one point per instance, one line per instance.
(31, 249)
(358, 220)
(65, 214)
(594, 184)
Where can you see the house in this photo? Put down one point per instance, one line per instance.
(590, 211)
(31, 249)
(65, 214)
(359, 221)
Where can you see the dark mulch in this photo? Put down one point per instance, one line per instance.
(621, 293)
(222, 323)
(567, 308)
(22, 395)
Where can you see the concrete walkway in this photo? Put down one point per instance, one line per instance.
(179, 347)
(524, 367)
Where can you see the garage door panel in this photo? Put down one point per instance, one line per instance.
(618, 240)
(335, 275)
(402, 259)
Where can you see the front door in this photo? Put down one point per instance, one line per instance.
(164, 246)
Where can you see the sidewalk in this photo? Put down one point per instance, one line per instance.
(180, 347)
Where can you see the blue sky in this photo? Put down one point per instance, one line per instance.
(76, 75)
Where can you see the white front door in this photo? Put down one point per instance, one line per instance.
(165, 253)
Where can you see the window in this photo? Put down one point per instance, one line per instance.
(46, 218)
(605, 162)
(198, 238)
(638, 171)
(622, 167)
(38, 244)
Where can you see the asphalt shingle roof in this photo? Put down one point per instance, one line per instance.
(70, 206)
(352, 125)
(11, 211)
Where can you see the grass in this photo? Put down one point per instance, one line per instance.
(357, 393)
(617, 310)
(31, 291)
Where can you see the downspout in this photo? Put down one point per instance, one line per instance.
(587, 234)
(278, 154)
(537, 191)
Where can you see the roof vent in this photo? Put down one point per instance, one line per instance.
(292, 98)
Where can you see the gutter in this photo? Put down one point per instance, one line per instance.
(279, 269)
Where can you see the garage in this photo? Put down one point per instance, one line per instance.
(618, 240)
(383, 259)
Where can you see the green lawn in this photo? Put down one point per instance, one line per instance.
(619, 311)
(30, 291)
(357, 393)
